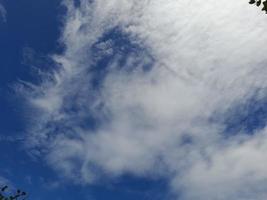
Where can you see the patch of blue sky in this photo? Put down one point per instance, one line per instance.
(132, 188)
(31, 31)
(245, 117)
(117, 46)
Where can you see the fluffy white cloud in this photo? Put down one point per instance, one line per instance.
(234, 171)
(207, 58)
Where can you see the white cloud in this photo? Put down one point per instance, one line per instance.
(234, 171)
(208, 57)
(3, 13)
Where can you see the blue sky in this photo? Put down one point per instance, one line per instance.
(133, 100)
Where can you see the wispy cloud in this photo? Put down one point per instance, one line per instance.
(3, 181)
(3, 13)
(204, 58)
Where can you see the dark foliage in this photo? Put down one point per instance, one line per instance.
(18, 195)
(259, 3)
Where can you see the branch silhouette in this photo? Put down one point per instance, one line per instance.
(18, 195)
(259, 3)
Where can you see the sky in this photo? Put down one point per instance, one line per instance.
(129, 99)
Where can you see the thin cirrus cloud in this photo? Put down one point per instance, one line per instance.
(146, 87)
(3, 13)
